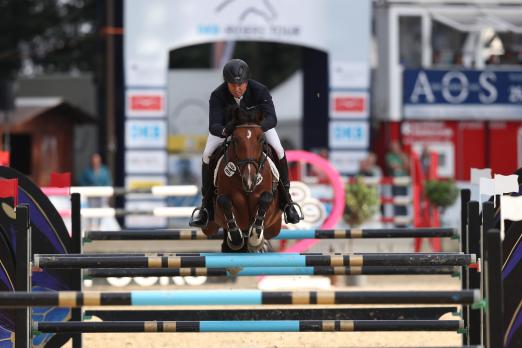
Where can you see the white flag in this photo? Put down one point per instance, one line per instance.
(506, 183)
(487, 187)
(476, 174)
(510, 209)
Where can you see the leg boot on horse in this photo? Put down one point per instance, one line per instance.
(201, 216)
(233, 234)
(256, 231)
(292, 216)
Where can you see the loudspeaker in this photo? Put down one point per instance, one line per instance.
(7, 95)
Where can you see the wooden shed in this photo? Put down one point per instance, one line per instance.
(41, 136)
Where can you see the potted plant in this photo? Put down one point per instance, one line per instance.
(441, 193)
(362, 202)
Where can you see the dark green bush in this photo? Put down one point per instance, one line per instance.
(441, 193)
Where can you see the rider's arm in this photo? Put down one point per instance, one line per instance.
(267, 106)
(216, 116)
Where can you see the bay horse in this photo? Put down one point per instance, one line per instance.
(246, 200)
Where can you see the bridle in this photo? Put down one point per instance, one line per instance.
(258, 163)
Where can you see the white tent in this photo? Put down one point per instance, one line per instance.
(288, 98)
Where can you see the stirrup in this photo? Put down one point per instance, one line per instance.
(299, 211)
(198, 210)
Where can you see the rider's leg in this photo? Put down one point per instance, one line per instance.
(204, 213)
(287, 205)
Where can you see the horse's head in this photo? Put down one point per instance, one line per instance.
(248, 143)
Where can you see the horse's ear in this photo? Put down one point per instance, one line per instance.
(259, 115)
(232, 113)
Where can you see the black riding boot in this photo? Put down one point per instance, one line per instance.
(287, 205)
(204, 213)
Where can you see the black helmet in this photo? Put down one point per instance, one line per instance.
(235, 71)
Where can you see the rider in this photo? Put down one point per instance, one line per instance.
(238, 89)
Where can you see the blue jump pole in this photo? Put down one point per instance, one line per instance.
(232, 297)
(271, 271)
(252, 260)
(250, 326)
(196, 234)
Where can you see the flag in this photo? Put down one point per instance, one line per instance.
(4, 158)
(506, 183)
(476, 174)
(9, 188)
(510, 209)
(61, 180)
(486, 186)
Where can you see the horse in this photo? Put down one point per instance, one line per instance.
(246, 200)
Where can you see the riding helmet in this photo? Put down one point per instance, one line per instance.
(235, 71)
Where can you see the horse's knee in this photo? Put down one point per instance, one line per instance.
(266, 198)
(224, 202)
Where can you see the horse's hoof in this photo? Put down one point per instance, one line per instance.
(255, 238)
(235, 239)
(265, 247)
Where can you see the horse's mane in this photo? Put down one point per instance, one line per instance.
(244, 116)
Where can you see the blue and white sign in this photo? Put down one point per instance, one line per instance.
(146, 162)
(349, 135)
(462, 94)
(145, 134)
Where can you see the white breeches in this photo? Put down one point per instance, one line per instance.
(214, 142)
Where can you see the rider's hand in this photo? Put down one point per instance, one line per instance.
(229, 128)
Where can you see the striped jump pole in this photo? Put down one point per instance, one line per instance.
(271, 271)
(233, 297)
(170, 254)
(253, 260)
(196, 234)
(250, 326)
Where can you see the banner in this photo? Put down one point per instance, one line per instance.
(462, 94)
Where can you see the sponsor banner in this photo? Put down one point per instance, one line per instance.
(146, 133)
(187, 143)
(144, 181)
(462, 94)
(150, 32)
(349, 134)
(438, 137)
(146, 162)
(150, 71)
(145, 102)
(426, 132)
(133, 182)
(144, 221)
(347, 162)
(349, 104)
(349, 74)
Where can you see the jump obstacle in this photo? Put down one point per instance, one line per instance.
(251, 326)
(273, 271)
(85, 328)
(233, 297)
(252, 260)
(195, 234)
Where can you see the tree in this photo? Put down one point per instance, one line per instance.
(47, 36)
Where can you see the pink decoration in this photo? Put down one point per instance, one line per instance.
(338, 189)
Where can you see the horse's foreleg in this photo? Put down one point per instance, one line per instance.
(234, 237)
(256, 231)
